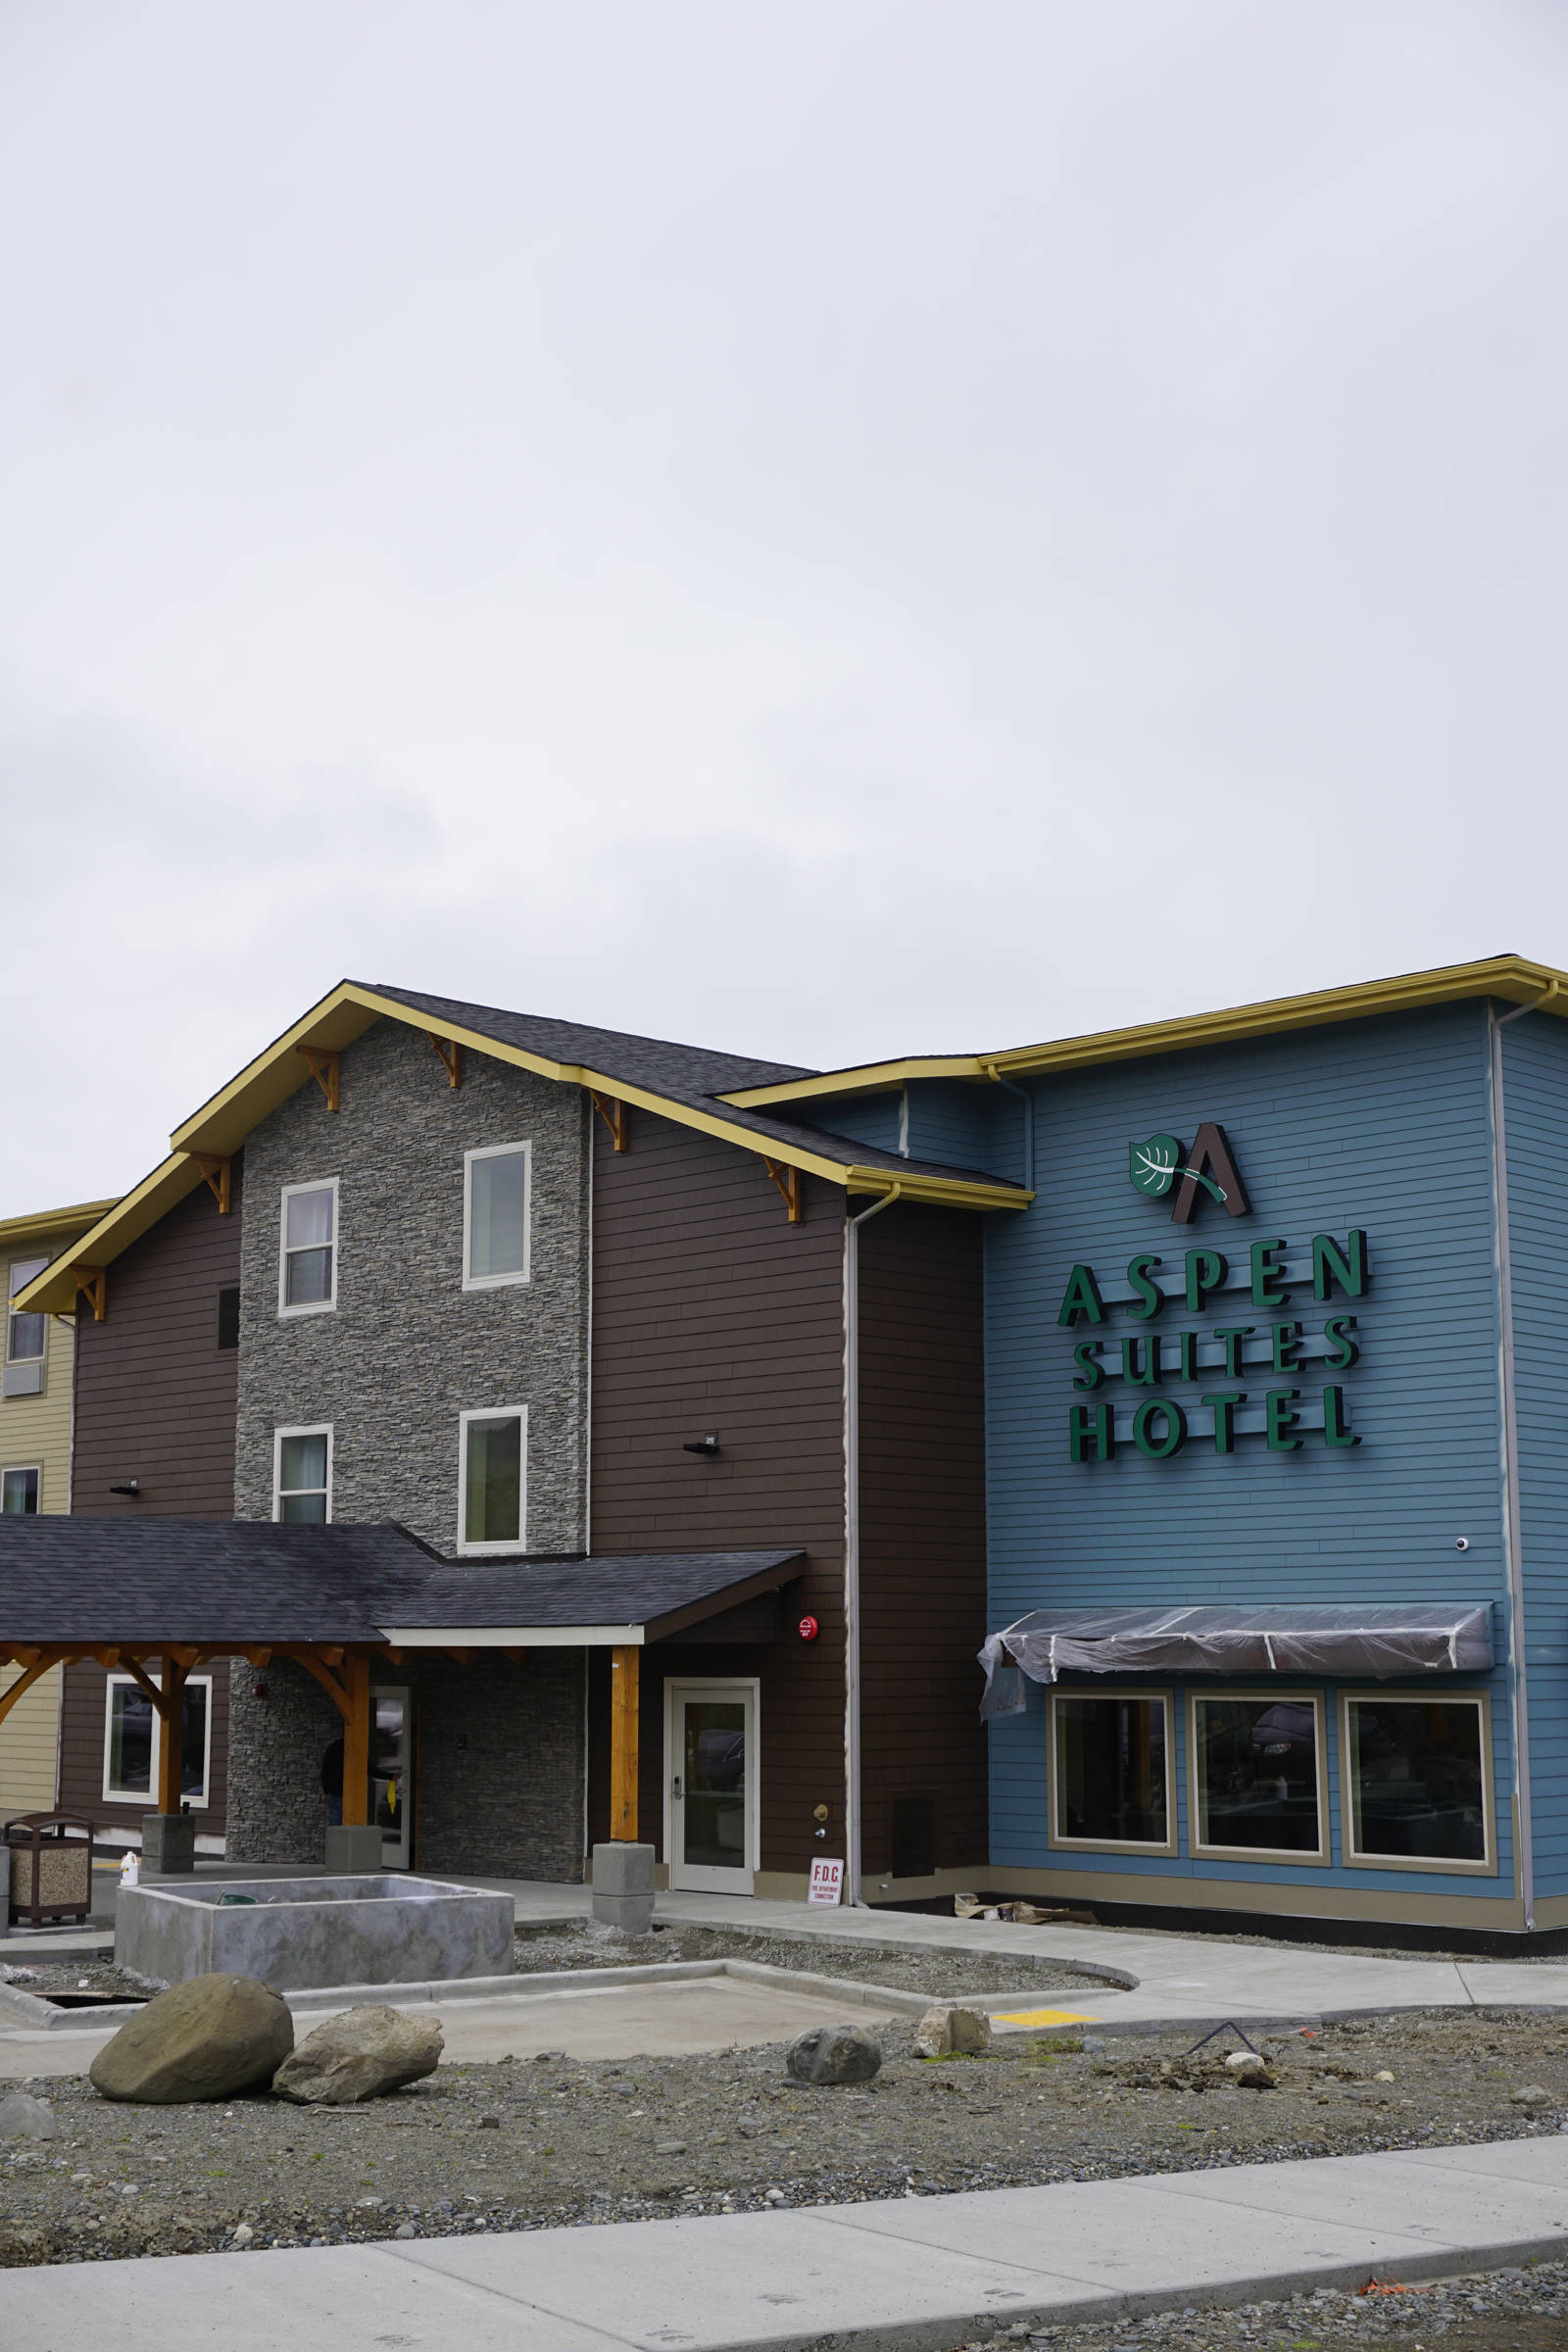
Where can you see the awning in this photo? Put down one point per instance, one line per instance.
(1421, 1638)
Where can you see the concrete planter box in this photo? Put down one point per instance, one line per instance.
(315, 1931)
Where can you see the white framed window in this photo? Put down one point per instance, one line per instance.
(301, 1475)
(496, 1184)
(18, 1490)
(493, 1478)
(1415, 1781)
(307, 1257)
(26, 1335)
(134, 1743)
(1114, 1771)
(1258, 1776)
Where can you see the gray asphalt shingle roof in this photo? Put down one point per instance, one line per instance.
(134, 1581)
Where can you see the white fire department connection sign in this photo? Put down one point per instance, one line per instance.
(827, 1881)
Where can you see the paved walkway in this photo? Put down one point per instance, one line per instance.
(881, 2278)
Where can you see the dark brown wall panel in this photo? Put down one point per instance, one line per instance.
(155, 1399)
(922, 1530)
(155, 1395)
(710, 1311)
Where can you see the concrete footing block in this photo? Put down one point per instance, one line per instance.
(354, 1851)
(623, 1886)
(167, 1844)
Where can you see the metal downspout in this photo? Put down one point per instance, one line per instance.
(1513, 1527)
(852, 1543)
(1028, 1101)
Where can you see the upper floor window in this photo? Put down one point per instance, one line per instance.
(495, 1215)
(24, 1334)
(492, 1475)
(19, 1492)
(306, 1274)
(301, 1475)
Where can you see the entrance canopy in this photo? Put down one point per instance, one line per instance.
(154, 1597)
(1421, 1638)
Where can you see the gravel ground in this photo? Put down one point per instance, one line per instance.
(531, 2143)
(100, 1977)
(902, 1967)
(1490, 2310)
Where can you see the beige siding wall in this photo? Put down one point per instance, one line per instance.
(36, 1430)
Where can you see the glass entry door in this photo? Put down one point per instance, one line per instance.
(392, 1772)
(712, 1786)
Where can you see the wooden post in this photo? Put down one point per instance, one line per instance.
(623, 1744)
(356, 1744)
(172, 1740)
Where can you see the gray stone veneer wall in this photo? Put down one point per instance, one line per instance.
(499, 1765)
(500, 1771)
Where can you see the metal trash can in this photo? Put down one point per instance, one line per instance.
(51, 1867)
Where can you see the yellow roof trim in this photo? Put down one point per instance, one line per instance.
(122, 1222)
(220, 1127)
(1507, 976)
(50, 1223)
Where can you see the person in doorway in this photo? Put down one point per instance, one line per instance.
(332, 1783)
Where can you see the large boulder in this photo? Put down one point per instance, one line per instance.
(830, 2054)
(358, 2056)
(208, 2037)
(947, 2030)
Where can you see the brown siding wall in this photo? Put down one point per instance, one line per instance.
(710, 1311)
(922, 1530)
(155, 1399)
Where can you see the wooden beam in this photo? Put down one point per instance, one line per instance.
(394, 1657)
(356, 1744)
(22, 1685)
(332, 1657)
(92, 1283)
(623, 1669)
(143, 1681)
(312, 1664)
(217, 1174)
(324, 1069)
(261, 1659)
(451, 1053)
(612, 1111)
(515, 1658)
(463, 1657)
(790, 1188)
(172, 1741)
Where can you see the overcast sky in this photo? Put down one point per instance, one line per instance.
(821, 530)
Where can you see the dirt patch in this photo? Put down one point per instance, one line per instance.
(903, 1968)
(533, 2143)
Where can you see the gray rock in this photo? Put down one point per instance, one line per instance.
(22, 2117)
(210, 2038)
(946, 2030)
(359, 2056)
(1531, 2094)
(828, 2055)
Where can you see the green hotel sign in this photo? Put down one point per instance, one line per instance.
(1241, 1370)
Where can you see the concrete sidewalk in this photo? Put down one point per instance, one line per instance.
(882, 2277)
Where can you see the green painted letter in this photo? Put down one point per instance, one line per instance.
(1231, 1336)
(1343, 1350)
(1224, 1405)
(1347, 1266)
(1146, 1378)
(1090, 1436)
(1081, 1297)
(1089, 1374)
(1172, 1438)
(1206, 1271)
(1286, 1336)
(1337, 1430)
(1152, 1296)
(1279, 1406)
(1263, 1268)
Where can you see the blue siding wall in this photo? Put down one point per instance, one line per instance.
(1535, 1065)
(1380, 1124)
(865, 1118)
(964, 1123)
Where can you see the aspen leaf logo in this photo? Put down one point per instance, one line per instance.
(1155, 1165)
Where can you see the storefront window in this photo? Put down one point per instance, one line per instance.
(1417, 1789)
(1111, 1780)
(1255, 1775)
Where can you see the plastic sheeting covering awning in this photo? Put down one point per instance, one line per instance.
(1423, 1638)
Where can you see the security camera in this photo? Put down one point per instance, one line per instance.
(1461, 1544)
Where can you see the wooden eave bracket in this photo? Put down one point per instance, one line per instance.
(324, 1068)
(613, 1113)
(217, 1174)
(92, 1283)
(451, 1056)
(790, 1188)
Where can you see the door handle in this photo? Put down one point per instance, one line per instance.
(676, 1790)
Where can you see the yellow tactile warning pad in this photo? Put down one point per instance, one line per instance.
(1043, 2017)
